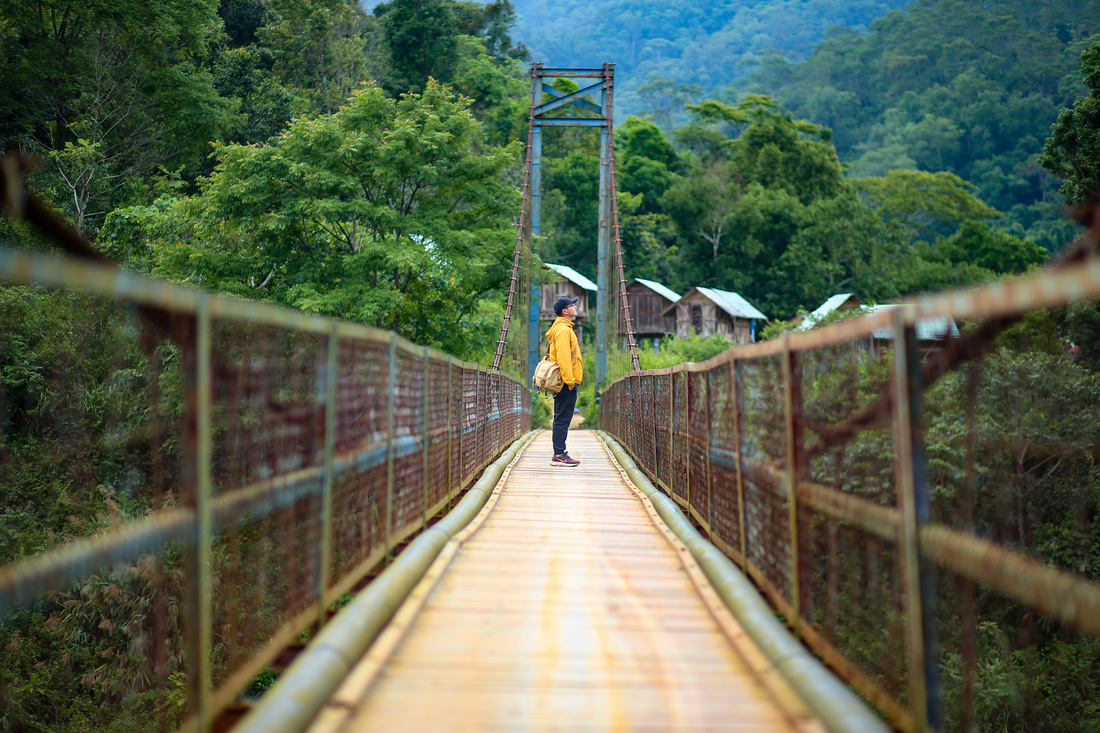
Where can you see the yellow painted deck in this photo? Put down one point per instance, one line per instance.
(564, 607)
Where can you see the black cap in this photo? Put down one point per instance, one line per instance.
(563, 302)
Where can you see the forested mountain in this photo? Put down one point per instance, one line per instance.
(948, 85)
(668, 52)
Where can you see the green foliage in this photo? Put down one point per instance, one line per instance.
(383, 212)
(668, 52)
(952, 86)
(102, 89)
(930, 204)
(671, 351)
(1072, 151)
(845, 246)
(779, 152)
(977, 244)
(753, 200)
(425, 39)
(422, 36)
(112, 96)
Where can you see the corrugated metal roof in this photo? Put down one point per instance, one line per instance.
(732, 303)
(573, 276)
(928, 329)
(659, 289)
(823, 310)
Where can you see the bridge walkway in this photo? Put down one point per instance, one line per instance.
(566, 605)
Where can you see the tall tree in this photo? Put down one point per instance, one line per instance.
(383, 212)
(109, 91)
(422, 36)
(1072, 152)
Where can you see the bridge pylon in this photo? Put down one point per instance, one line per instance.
(593, 84)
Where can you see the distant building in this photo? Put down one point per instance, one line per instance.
(706, 312)
(839, 303)
(568, 282)
(930, 332)
(649, 302)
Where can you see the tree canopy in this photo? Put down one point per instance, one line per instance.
(384, 212)
(1073, 150)
(950, 86)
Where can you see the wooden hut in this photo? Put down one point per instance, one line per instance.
(839, 303)
(649, 308)
(567, 282)
(931, 333)
(706, 312)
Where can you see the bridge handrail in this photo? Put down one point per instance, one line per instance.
(427, 424)
(700, 431)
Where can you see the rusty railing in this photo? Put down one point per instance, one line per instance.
(230, 471)
(940, 547)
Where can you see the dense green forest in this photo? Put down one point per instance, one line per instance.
(139, 132)
(749, 198)
(935, 85)
(367, 165)
(948, 85)
(668, 52)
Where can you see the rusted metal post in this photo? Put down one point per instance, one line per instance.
(671, 431)
(478, 422)
(686, 429)
(603, 239)
(632, 423)
(792, 383)
(710, 477)
(462, 429)
(425, 424)
(653, 427)
(331, 407)
(736, 397)
(450, 423)
(200, 600)
(501, 419)
(533, 340)
(391, 399)
(915, 504)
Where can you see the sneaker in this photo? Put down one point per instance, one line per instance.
(563, 459)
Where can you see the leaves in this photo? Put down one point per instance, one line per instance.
(373, 213)
(1072, 151)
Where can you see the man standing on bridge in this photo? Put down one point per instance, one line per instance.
(566, 351)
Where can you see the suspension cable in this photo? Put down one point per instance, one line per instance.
(522, 235)
(624, 304)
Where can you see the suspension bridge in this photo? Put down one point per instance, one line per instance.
(808, 533)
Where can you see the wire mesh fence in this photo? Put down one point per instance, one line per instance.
(924, 512)
(191, 483)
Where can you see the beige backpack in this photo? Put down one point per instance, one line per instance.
(548, 374)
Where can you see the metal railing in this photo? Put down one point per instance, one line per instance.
(246, 467)
(939, 547)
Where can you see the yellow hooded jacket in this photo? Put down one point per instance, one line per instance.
(565, 350)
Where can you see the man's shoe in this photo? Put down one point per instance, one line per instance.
(563, 459)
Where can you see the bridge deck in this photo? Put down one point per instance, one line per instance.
(564, 607)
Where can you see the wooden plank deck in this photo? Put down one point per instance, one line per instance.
(564, 607)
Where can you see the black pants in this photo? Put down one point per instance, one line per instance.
(564, 403)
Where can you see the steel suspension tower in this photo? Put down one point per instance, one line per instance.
(611, 285)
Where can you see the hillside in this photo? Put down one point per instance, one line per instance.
(949, 85)
(705, 45)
